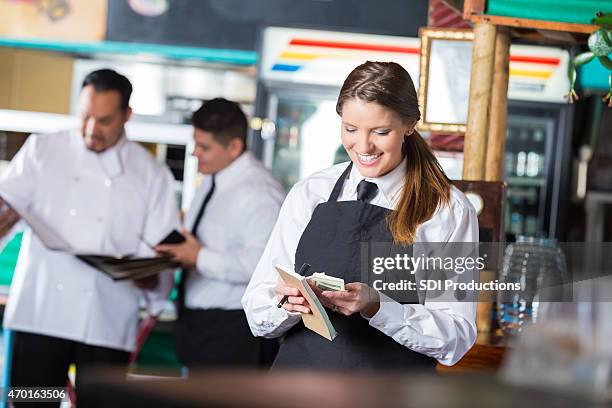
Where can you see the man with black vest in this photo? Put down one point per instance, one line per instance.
(226, 230)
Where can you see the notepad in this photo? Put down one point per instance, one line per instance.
(318, 320)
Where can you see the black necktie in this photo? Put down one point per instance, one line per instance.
(183, 278)
(198, 218)
(366, 191)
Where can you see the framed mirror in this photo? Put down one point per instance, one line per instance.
(444, 82)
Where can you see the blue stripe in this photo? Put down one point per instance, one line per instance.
(286, 67)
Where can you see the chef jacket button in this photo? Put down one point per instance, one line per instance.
(108, 182)
(88, 293)
(76, 178)
(60, 286)
(72, 212)
(99, 219)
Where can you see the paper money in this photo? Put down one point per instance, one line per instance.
(325, 282)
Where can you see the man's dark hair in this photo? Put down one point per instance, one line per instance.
(108, 80)
(223, 118)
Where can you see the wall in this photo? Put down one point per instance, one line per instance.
(236, 24)
(73, 20)
(35, 80)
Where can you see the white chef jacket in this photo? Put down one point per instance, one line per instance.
(442, 330)
(233, 232)
(106, 202)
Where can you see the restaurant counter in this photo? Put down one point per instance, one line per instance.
(303, 389)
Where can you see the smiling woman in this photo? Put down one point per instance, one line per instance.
(378, 132)
(392, 191)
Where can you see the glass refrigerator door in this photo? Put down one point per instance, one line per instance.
(527, 163)
(306, 136)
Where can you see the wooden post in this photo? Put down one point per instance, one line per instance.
(475, 144)
(481, 82)
(496, 138)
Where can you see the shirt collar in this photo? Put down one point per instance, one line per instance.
(389, 185)
(110, 159)
(234, 171)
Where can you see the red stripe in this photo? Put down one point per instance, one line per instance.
(536, 60)
(353, 46)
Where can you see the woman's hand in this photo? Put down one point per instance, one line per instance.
(295, 302)
(358, 298)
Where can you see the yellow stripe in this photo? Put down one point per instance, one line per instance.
(298, 55)
(304, 56)
(529, 73)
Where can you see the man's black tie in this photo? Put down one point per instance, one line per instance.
(366, 191)
(184, 273)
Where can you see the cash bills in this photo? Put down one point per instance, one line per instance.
(325, 282)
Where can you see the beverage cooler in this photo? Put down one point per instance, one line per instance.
(537, 169)
(300, 75)
(305, 136)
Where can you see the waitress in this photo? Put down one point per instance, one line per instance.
(392, 190)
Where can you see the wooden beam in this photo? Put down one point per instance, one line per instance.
(496, 138)
(481, 80)
(535, 24)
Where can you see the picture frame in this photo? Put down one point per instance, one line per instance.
(446, 55)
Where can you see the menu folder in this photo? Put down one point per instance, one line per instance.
(117, 267)
(121, 268)
(130, 267)
(318, 320)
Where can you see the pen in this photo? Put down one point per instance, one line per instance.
(303, 270)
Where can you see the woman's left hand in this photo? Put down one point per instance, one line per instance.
(357, 298)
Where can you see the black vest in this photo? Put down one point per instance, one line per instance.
(336, 241)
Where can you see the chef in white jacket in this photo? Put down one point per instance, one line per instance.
(102, 194)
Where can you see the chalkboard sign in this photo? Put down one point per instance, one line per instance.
(235, 24)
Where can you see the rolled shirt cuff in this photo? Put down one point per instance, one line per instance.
(390, 313)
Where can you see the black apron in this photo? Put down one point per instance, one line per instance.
(333, 242)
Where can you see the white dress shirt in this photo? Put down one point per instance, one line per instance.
(233, 232)
(442, 330)
(106, 202)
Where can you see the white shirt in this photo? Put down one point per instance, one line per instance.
(233, 232)
(442, 330)
(98, 202)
